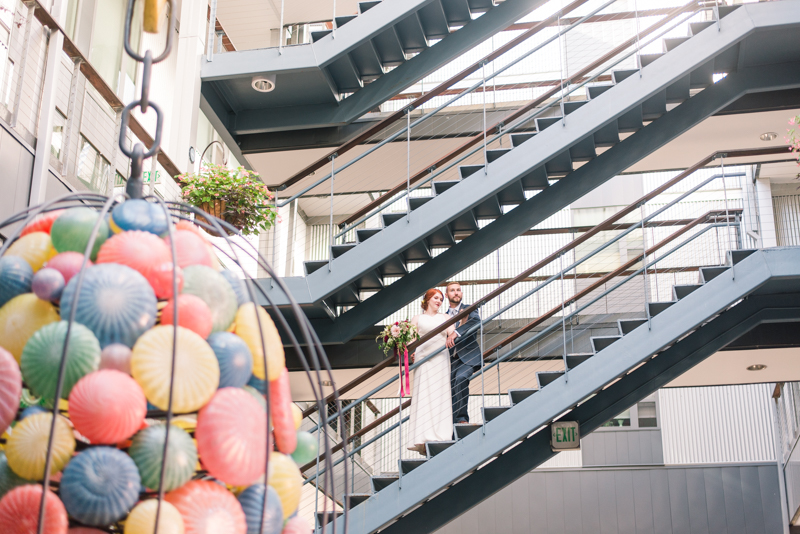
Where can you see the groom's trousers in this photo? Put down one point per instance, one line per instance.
(460, 374)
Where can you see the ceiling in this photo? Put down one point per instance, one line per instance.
(723, 368)
(248, 22)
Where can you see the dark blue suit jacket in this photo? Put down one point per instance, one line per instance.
(467, 348)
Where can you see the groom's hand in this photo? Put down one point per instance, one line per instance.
(451, 340)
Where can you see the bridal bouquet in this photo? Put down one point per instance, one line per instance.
(397, 337)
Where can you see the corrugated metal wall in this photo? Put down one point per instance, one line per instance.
(717, 424)
(787, 220)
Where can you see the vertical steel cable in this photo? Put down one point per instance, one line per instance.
(638, 45)
(483, 392)
(644, 269)
(281, 33)
(485, 157)
(330, 227)
(727, 216)
(563, 319)
(561, 72)
(408, 165)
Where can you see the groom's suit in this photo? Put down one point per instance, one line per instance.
(465, 359)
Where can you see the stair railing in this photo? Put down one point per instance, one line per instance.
(519, 120)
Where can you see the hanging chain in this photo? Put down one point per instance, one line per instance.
(137, 155)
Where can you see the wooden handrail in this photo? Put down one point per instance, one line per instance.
(603, 226)
(472, 141)
(437, 91)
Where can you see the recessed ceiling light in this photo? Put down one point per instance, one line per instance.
(769, 136)
(757, 367)
(327, 383)
(263, 84)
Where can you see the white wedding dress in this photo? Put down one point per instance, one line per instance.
(431, 402)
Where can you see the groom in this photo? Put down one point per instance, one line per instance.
(465, 353)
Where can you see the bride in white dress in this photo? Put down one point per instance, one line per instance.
(431, 401)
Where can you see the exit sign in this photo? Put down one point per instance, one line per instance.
(565, 436)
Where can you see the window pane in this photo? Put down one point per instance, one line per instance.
(92, 167)
(647, 415)
(59, 121)
(623, 419)
(106, 51)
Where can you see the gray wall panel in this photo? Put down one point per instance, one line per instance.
(643, 502)
(729, 499)
(696, 495)
(622, 447)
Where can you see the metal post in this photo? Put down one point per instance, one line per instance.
(408, 165)
(485, 157)
(23, 62)
(561, 77)
(719, 28)
(281, 32)
(73, 91)
(330, 246)
(333, 21)
(727, 216)
(638, 46)
(114, 151)
(483, 392)
(212, 23)
(644, 268)
(563, 319)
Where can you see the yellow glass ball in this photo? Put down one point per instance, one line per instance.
(35, 248)
(142, 519)
(297, 413)
(247, 323)
(26, 450)
(20, 318)
(285, 478)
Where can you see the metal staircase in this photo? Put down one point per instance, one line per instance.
(351, 69)
(559, 161)
(752, 288)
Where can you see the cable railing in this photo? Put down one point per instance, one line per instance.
(518, 120)
(516, 348)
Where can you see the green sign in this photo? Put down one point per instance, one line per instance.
(565, 436)
(148, 175)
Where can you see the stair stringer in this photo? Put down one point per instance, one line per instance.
(536, 209)
(508, 429)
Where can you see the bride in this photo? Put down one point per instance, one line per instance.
(431, 403)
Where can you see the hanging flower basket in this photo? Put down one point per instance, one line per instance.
(236, 196)
(793, 138)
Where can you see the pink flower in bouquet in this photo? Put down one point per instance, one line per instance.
(395, 331)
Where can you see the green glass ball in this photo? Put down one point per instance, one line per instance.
(72, 229)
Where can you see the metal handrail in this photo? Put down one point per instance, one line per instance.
(433, 112)
(499, 128)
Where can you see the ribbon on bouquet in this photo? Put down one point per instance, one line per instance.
(407, 388)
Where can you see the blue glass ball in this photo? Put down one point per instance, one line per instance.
(99, 486)
(235, 359)
(137, 214)
(48, 284)
(252, 501)
(16, 275)
(31, 410)
(239, 286)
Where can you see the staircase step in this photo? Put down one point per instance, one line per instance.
(583, 150)
(702, 76)
(412, 37)
(697, 27)
(618, 75)
(559, 165)
(462, 430)
(671, 43)
(491, 412)
(574, 360)
(419, 251)
(496, 153)
(678, 91)
(681, 291)
(435, 447)
(658, 307)
(608, 135)
(518, 395)
(631, 121)
(488, 209)
(316, 36)
(323, 518)
(465, 171)
(383, 481)
(365, 233)
(443, 185)
(466, 223)
(594, 91)
(512, 195)
(341, 21)
(518, 139)
(416, 202)
(546, 122)
(626, 326)
(390, 218)
(724, 11)
(393, 267)
(480, 6)
(434, 23)
(363, 7)
(338, 250)
(456, 11)
(346, 296)
(536, 180)
(735, 256)
(441, 237)
(409, 465)
(709, 273)
(646, 59)
(311, 266)
(546, 377)
(387, 43)
(574, 105)
(601, 342)
(655, 106)
(370, 281)
(354, 499)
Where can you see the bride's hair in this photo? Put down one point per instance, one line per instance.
(428, 296)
